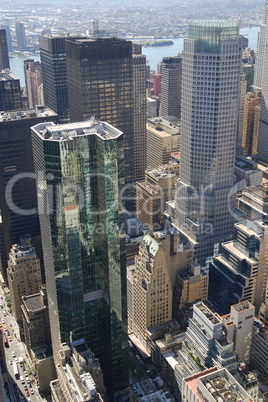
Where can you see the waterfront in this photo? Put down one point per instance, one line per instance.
(153, 54)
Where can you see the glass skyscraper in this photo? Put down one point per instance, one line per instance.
(210, 95)
(106, 79)
(80, 174)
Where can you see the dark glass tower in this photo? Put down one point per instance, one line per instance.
(107, 81)
(16, 164)
(10, 96)
(4, 60)
(81, 174)
(20, 36)
(54, 74)
(171, 86)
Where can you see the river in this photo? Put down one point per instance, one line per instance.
(153, 54)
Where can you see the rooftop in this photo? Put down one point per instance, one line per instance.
(39, 111)
(34, 302)
(243, 306)
(65, 132)
(6, 75)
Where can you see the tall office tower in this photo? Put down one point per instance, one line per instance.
(241, 110)
(260, 59)
(239, 272)
(8, 34)
(81, 174)
(23, 273)
(20, 36)
(171, 86)
(210, 96)
(16, 161)
(33, 81)
(4, 60)
(262, 82)
(157, 79)
(251, 122)
(54, 73)
(153, 279)
(10, 96)
(106, 80)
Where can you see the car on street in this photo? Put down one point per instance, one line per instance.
(27, 393)
(13, 354)
(32, 391)
(25, 387)
(10, 362)
(9, 338)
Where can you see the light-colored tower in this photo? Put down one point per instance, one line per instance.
(152, 282)
(33, 81)
(24, 274)
(210, 97)
(262, 82)
(260, 59)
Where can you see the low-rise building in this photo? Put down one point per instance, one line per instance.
(213, 385)
(163, 138)
(147, 390)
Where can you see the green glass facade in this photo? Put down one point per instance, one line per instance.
(81, 174)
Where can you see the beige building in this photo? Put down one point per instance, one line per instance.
(251, 122)
(191, 286)
(153, 193)
(24, 274)
(152, 281)
(163, 138)
(80, 378)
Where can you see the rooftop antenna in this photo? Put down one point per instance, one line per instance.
(95, 28)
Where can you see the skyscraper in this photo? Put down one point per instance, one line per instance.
(81, 174)
(8, 34)
(10, 96)
(54, 74)
(261, 81)
(107, 81)
(210, 94)
(260, 59)
(16, 166)
(20, 36)
(171, 86)
(4, 60)
(33, 81)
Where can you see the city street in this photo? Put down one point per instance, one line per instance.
(15, 350)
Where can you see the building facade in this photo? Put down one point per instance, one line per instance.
(18, 209)
(106, 79)
(210, 97)
(54, 73)
(23, 273)
(10, 96)
(171, 86)
(4, 60)
(20, 36)
(152, 282)
(33, 81)
(81, 169)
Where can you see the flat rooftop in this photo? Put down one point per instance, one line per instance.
(6, 75)
(33, 302)
(40, 111)
(65, 132)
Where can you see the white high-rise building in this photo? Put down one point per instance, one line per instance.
(261, 81)
(262, 40)
(210, 97)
